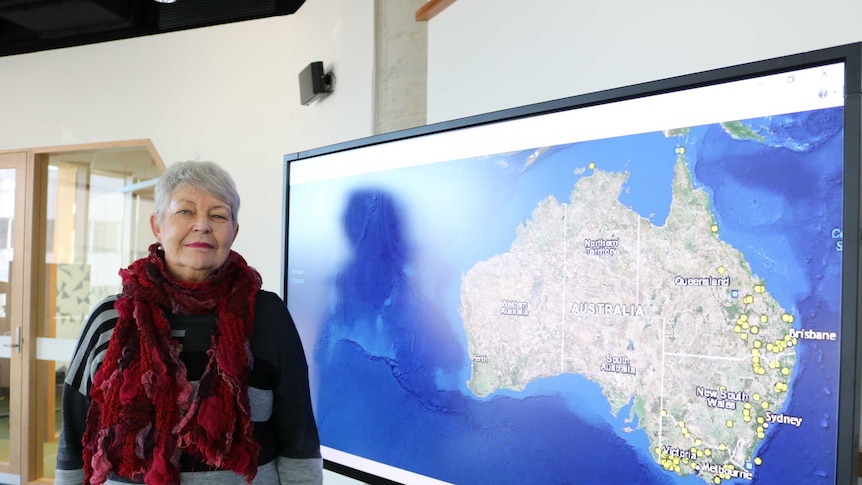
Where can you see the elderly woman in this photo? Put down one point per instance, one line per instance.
(193, 374)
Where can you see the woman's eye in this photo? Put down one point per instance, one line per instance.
(219, 216)
(184, 211)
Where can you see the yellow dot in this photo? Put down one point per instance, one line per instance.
(769, 346)
(764, 319)
(682, 424)
(757, 461)
(793, 341)
(721, 270)
(756, 396)
(743, 318)
(664, 412)
(761, 435)
(755, 329)
(744, 336)
(760, 420)
(707, 452)
(698, 441)
(737, 328)
(765, 405)
(748, 299)
(714, 228)
(747, 405)
(729, 423)
(699, 453)
(745, 325)
(722, 447)
(746, 418)
(592, 165)
(757, 344)
(716, 480)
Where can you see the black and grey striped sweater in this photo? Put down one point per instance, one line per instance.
(278, 393)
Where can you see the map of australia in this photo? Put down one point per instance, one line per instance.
(659, 308)
(668, 317)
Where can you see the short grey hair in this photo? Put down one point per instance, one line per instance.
(206, 176)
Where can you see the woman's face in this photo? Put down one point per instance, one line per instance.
(196, 232)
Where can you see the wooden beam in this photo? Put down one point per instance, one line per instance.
(431, 8)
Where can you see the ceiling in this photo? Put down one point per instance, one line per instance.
(38, 25)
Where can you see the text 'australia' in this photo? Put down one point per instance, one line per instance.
(618, 309)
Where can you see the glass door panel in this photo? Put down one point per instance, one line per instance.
(7, 216)
(93, 223)
(12, 173)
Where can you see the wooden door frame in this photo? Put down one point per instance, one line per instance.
(34, 234)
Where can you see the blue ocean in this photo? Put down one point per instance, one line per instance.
(388, 354)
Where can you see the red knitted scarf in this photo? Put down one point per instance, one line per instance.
(144, 412)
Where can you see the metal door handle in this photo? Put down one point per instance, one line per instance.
(17, 340)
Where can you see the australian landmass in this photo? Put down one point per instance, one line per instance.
(669, 315)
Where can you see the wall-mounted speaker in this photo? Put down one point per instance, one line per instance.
(314, 83)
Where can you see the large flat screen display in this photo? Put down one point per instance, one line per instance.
(654, 284)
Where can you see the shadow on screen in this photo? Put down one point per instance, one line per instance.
(378, 307)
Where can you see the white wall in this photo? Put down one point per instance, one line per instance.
(227, 93)
(486, 55)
